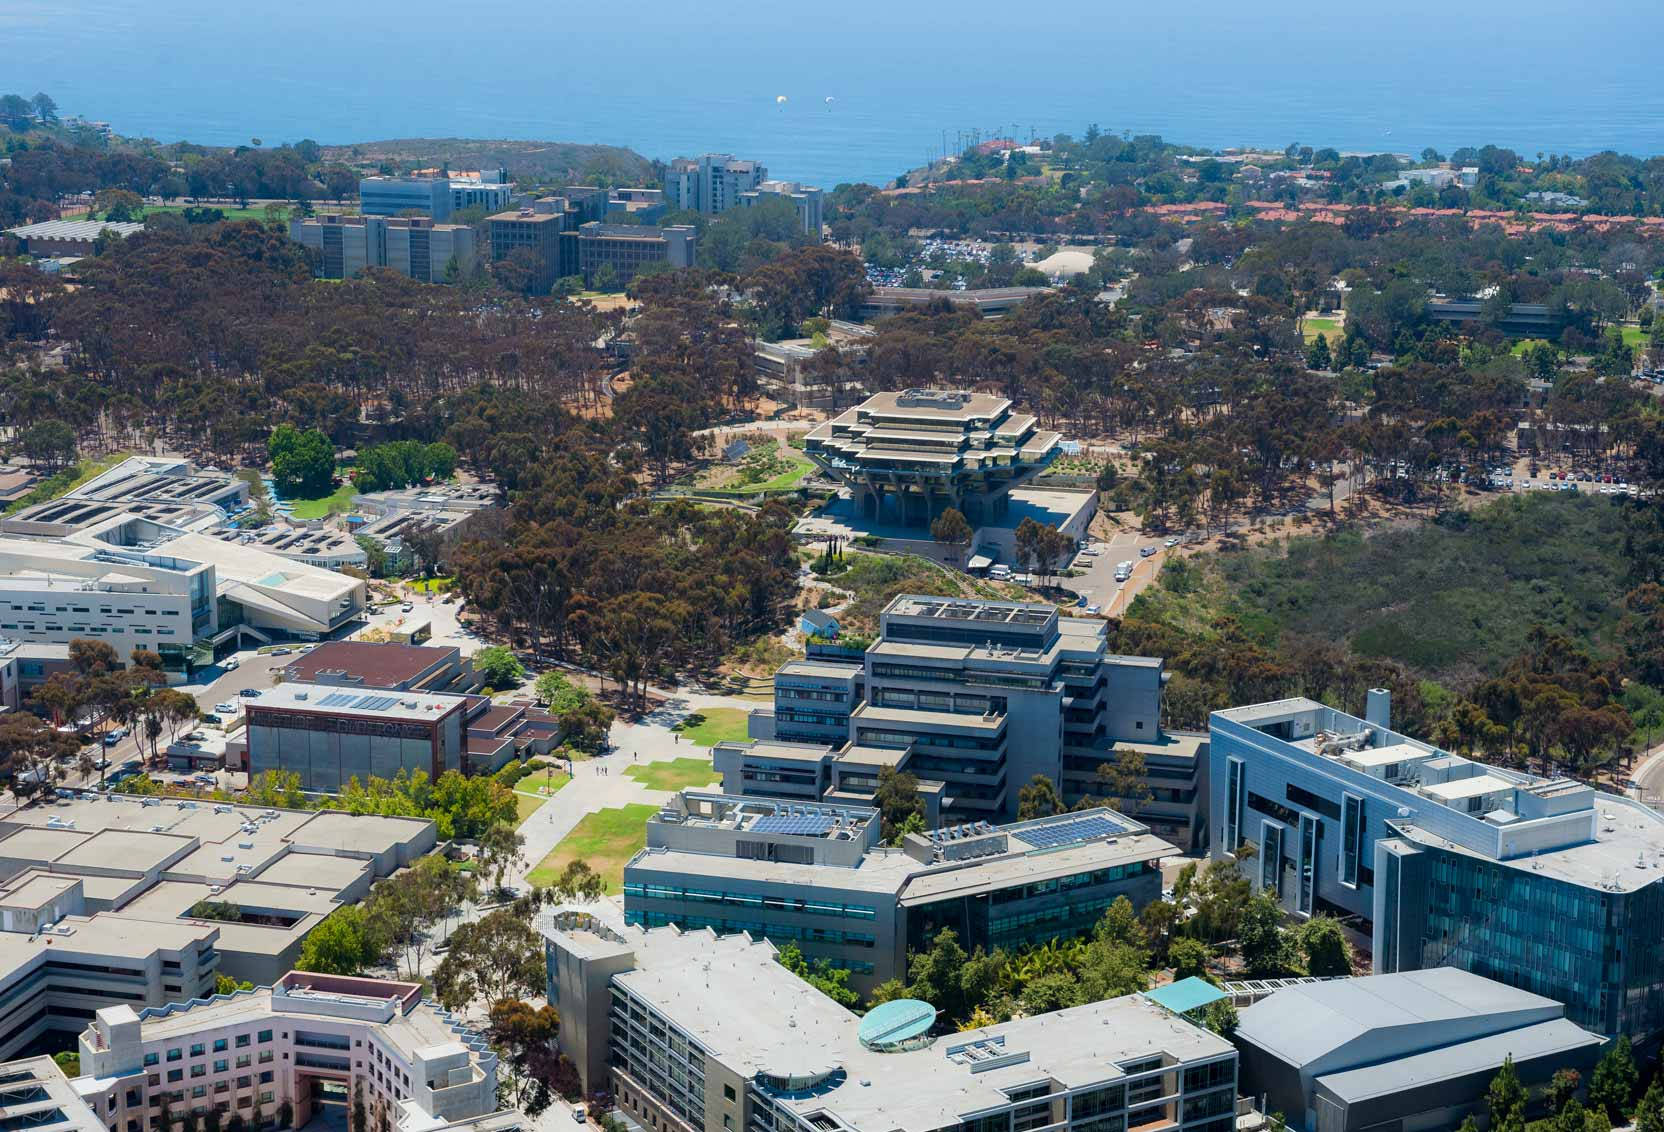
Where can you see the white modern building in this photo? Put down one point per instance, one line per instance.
(692, 1032)
(712, 183)
(134, 583)
(307, 1041)
(805, 198)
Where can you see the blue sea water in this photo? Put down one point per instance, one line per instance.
(872, 87)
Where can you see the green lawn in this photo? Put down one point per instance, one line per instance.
(715, 725)
(433, 585)
(1635, 336)
(604, 840)
(528, 803)
(802, 466)
(674, 775)
(1313, 326)
(231, 212)
(336, 502)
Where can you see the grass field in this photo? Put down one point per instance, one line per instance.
(529, 803)
(604, 840)
(673, 775)
(336, 502)
(715, 725)
(1314, 325)
(432, 585)
(231, 212)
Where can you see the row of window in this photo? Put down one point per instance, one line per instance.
(724, 926)
(749, 900)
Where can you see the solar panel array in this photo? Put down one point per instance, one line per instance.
(1070, 832)
(811, 825)
(358, 701)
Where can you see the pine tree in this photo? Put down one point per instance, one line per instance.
(1506, 1099)
(1649, 1114)
(1615, 1080)
(1317, 355)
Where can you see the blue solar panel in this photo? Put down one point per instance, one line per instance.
(801, 824)
(375, 703)
(1070, 832)
(337, 699)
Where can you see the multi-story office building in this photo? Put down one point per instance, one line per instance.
(908, 456)
(38, 1095)
(144, 865)
(815, 875)
(712, 183)
(308, 1041)
(59, 963)
(346, 246)
(535, 229)
(134, 583)
(628, 248)
(433, 193)
(974, 699)
(1542, 884)
(694, 1033)
(330, 735)
(805, 198)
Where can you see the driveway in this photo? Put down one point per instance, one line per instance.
(1098, 585)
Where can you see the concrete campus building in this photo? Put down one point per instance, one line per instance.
(384, 666)
(416, 247)
(916, 453)
(973, 698)
(117, 877)
(307, 1040)
(75, 238)
(1541, 884)
(815, 875)
(805, 198)
(563, 243)
(712, 183)
(36, 1094)
(696, 1033)
(132, 582)
(434, 194)
(1412, 1051)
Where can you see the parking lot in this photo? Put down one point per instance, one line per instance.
(1097, 583)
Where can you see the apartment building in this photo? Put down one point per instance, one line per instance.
(144, 865)
(692, 1032)
(59, 962)
(974, 699)
(308, 1041)
(1542, 884)
(422, 249)
(807, 199)
(135, 583)
(815, 875)
(908, 456)
(712, 183)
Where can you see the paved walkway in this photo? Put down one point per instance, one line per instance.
(599, 784)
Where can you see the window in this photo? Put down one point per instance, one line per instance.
(198, 1049)
(265, 1035)
(1271, 857)
(221, 1065)
(242, 1041)
(1233, 805)
(174, 1055)
(728, 1092)
(1351, 838)
(199, 1071)
(150, 1059)
(175, 1075)
(1310, 834)
(220, 1045)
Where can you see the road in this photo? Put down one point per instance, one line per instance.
(1649, 774)
(1098, 585)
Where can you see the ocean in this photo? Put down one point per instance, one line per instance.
(870, 88)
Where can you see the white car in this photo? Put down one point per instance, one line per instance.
(1172, 542)
(232, 664)
(225, 709)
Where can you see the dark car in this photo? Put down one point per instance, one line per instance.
(210, 717)
(250, 693)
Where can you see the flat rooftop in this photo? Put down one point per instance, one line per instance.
(419, 707)
(758, 1018)
(982, 612)
(373, 665)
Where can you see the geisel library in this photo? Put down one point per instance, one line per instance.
(909, 456)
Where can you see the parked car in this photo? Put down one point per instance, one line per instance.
(250, 693)
(281, 650)
(579, 1114)
(211, 717)
(1172, 542)
(406, 607)
(115, 736)
(232, 664)
(226, 708)
(1146, 551)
